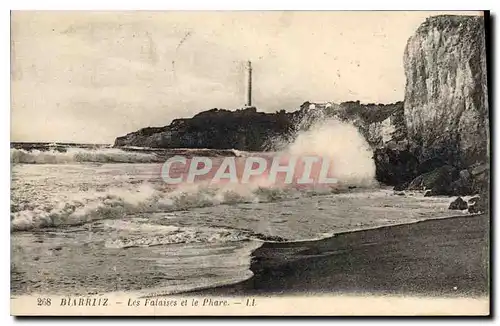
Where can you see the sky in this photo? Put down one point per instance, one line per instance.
(93, 76)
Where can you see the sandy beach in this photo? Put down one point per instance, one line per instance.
(446, 257)
(433, 267)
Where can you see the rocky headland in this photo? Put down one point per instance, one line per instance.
(437, 139)
(250, 130)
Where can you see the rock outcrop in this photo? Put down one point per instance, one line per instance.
(244, 129)
(395, 164)
(437, 181)
(458, 204)
(478, 205)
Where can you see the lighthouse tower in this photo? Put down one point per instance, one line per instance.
(248, 69)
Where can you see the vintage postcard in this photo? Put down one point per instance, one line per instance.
(255, 163)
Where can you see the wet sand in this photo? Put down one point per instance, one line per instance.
(445, 257)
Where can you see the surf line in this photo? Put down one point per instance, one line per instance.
(280, 169)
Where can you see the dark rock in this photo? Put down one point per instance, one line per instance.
(395, 165)
(458, 204)
(473, 200)
(463, 185)
(446, 180)
(438, 181)
(401, 187)
(417, 183)
(478, 204)
(428, 193)
(430, 165)
(480, 178)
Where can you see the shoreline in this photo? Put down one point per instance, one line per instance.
(435, 257)
(282, 256)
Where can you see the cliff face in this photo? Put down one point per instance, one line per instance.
(446, 105)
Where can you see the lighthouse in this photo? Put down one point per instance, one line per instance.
(249, 84)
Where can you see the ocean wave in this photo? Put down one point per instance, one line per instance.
(80, 155)
(141, 199)
(133, 234)
(72, 155)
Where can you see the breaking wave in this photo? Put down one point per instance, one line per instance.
(146, 198)
(72, 155)
(80, 155)
(132, 234)
(343, 144)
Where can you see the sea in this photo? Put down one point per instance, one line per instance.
(92, 219)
